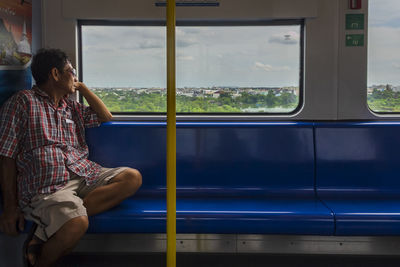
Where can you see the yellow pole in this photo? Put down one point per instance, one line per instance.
(171, 136)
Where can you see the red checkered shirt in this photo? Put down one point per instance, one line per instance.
(47, 142)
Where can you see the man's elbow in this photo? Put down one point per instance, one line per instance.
(106, 117)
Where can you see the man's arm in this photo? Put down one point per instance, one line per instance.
(11, 214)
(95, 103)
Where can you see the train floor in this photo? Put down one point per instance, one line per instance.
(229, 260)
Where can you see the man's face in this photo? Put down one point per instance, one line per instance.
(68, 78)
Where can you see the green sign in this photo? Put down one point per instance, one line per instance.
(354, 21)
(354, 39)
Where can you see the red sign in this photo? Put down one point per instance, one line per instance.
(355, 4)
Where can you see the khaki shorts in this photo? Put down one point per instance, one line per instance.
(51, 211)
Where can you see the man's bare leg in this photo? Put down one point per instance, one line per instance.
(61, 243)
(102, 198)
(122, 186)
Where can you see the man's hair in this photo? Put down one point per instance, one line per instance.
(44, 61)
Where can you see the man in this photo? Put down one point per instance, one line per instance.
(45, 174)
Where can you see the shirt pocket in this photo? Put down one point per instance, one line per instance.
(69, 131)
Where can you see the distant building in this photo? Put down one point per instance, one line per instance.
(216, 94)
(396, 88)
(236, 94)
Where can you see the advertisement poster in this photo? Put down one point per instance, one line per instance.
(15, 46)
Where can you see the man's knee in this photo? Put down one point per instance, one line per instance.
(133, 180)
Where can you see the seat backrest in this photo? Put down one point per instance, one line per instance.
(357, 159)
(213, 158)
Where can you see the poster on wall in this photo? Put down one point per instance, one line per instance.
(15, 47)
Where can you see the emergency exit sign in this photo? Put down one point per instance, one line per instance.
(354, 21)
(355, 40)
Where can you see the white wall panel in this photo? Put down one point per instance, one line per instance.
(321, 63)
(58, 31)
(352, 79)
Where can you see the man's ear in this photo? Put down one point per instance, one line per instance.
(55, 74)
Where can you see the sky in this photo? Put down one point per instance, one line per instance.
(384, 42)
(247, 56)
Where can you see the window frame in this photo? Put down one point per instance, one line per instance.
(209, 23)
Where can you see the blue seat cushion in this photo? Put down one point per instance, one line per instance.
(218, 215)
(366, 217)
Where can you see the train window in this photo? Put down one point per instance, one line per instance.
(221, 69)
(383, 56)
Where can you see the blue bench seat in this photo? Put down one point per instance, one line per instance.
(218, 215)
(241, 178)
(357, 175)
(366, 217)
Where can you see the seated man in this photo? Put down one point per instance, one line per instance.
(46, 176)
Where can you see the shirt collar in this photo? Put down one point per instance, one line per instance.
(42, 93)
(39, 91)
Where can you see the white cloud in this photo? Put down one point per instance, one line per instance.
(146, 44)
(269, 68)
(384, 13)
(187, 30)
(186, 37)
(288, 38)
(185, 58)
(185, 42)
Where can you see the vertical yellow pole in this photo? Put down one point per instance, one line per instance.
(171, 136)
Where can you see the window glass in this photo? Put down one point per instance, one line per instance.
(125, 66)
(383, 56)
(220, 69)
(238, 69)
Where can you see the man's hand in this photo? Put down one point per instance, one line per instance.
(94, 102)
(9, 220)
(80, 86)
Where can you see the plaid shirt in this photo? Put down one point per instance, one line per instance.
(46, 142)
